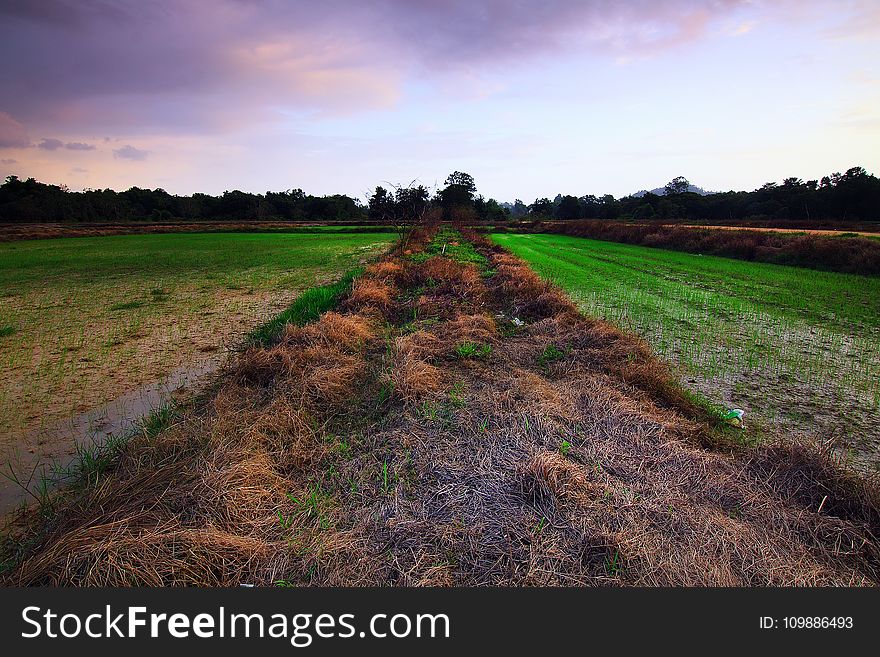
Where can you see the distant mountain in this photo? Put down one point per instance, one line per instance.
(661, 191)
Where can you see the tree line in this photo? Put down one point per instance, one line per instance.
(457, 201)
(851, 196)
(24, 201)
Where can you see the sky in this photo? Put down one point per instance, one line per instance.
(531, 98)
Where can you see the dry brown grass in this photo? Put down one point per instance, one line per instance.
(258, 365)
(346, 332)
(550, 474)
(469, 328)
(370, 292)
(332, 376)
(414, 378)
(607, 348)
(386, 269)
(324, 357)
(444, 270)
(478, 491)
(446, 283)
(421, 344)
(534, 391)
(200, 504)
(858, 255)
(417, 238)
(531, 297)
(447, 289)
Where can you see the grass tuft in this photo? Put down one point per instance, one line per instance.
(307, 308)
(551, 354)
(473, 350)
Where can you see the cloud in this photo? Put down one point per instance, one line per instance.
(12, 133)
(50, 144)
(744, 28)
(242, 78)
(8, 160)
(49, 11)
(863, 117)
(133, 67)
(128, 152)
(862, 23)
(130, 67)
(464, 34)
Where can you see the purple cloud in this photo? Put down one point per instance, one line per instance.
(251, 75)
(12, 133)
(78, 146)
(50, 144)
(128, 152)
(130, 66)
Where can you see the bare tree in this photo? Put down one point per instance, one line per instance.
(410, 207)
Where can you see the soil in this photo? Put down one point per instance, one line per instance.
(50, 451)
(139, 376)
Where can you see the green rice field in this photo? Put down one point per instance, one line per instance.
(84, 320)
(797, 349)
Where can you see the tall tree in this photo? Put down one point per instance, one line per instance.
(569, 208)
(519, 208)
(678, 185)
(381, 205)
(459, 191)
(542, 207)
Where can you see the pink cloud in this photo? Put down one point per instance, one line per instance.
(129, 152)
(863, 22)
(191, 66)
(12, 133)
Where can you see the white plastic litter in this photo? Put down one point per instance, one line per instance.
(735, 417)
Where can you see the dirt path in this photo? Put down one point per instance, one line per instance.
(455, 422)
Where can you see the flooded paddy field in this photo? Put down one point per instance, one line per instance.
(88, 322)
